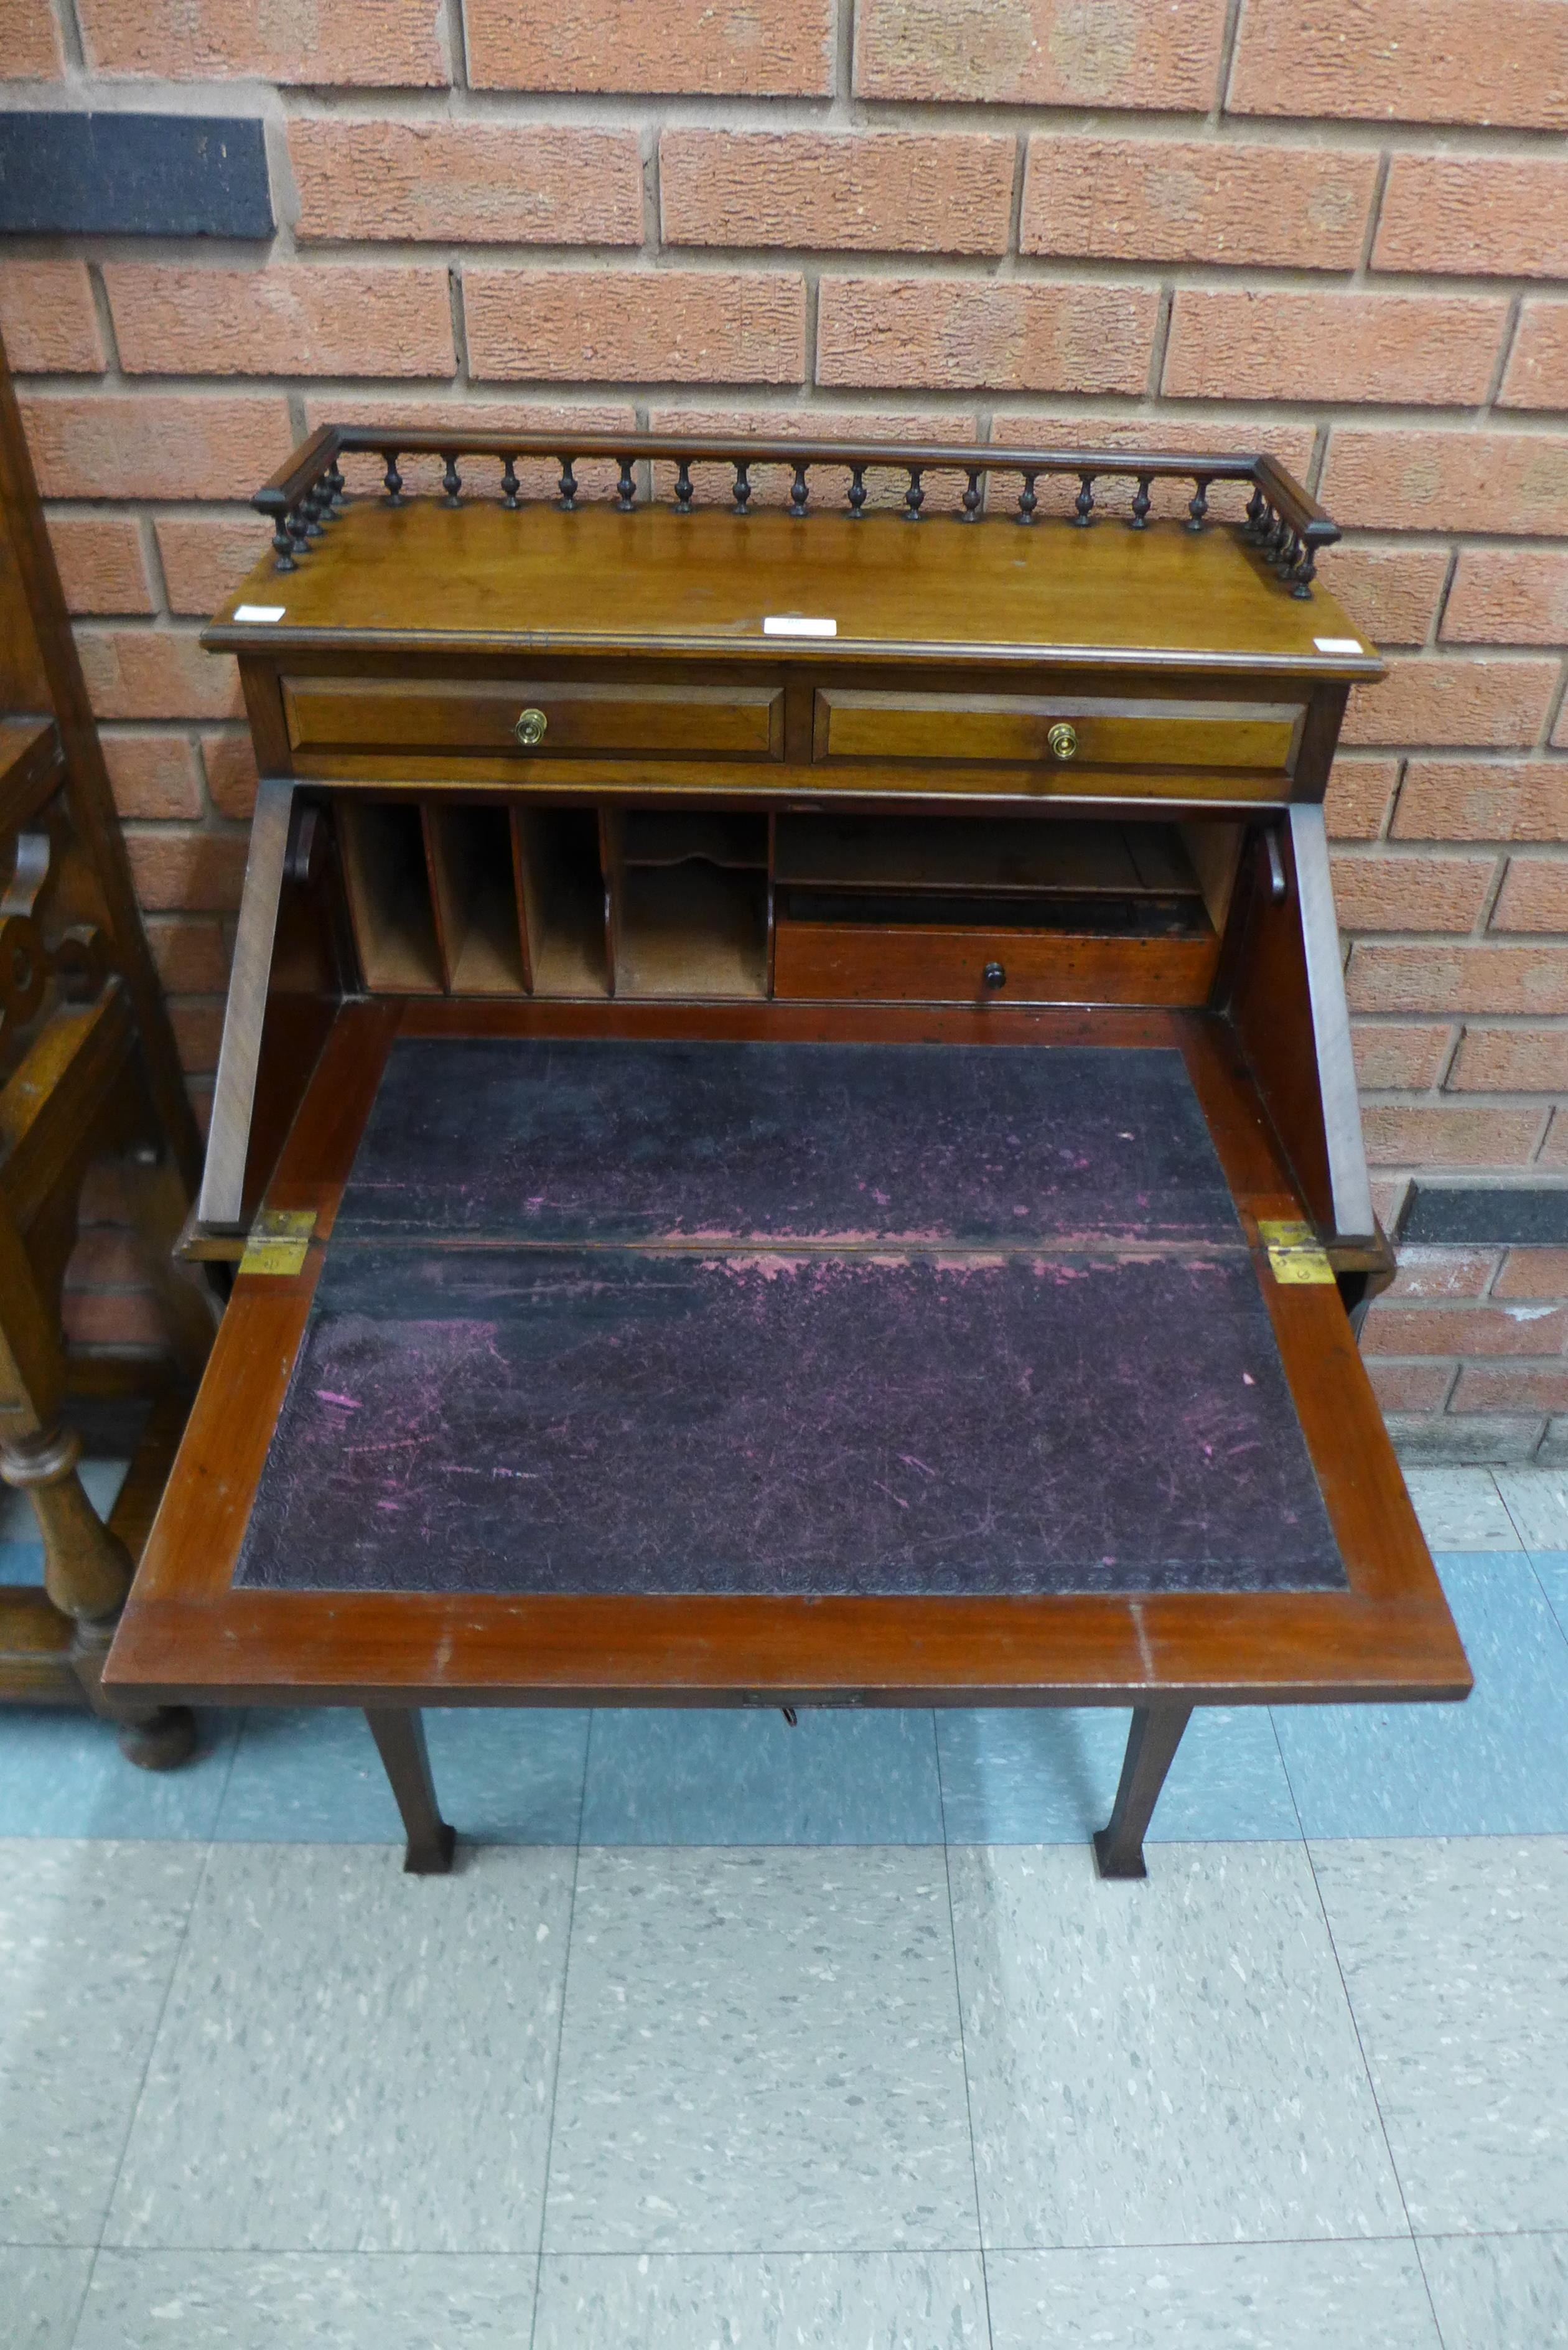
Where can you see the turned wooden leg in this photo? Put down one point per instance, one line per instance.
(399, 1734)
(1152, 1743)
(87, 1573)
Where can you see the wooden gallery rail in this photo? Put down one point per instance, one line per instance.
(785, 1108)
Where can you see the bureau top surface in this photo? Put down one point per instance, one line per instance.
(478, 578)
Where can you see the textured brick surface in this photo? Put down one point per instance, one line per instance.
(174, 870)
(1480, 215)
(1444, 1273)
(1501, 702)
(1538, 364)
(47, 321)
(1502, 61)
(1393, 1057)
(190, 953)
(1400, 479)
(762, 48)
(1116, 53)
(1197, 200)
(1390, 592)
(1533, 1273)
(483, 182)
(1410, 1386)
(198, 1033)
(30, 41)
(163, 445)
(1359, 791)
(358, 42)
(1534, 895)
(1457, 978)
(892, 191)
(100, 563)
(958, 334)
(206, 557)
(288, 320)
(1416, 1136)
(1401, 348)
(1411, 892)
(622, 326)
(155, 673)
(231, 765)
(1505, 799)
(1512, 1386)
(1511, 1061)
(1480, 1329)
(1508, 596)
(154, 776)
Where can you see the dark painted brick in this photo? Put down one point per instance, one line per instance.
(133, 175)
(1525, 1215)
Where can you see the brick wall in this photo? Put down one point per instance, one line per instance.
(1337, 230)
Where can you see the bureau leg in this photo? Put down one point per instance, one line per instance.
(399, 1731)
(1152, 1743)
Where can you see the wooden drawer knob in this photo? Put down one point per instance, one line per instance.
(1062, 741)
(994, 975)
(530, 728)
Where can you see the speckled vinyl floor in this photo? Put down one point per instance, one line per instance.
(818, 2039)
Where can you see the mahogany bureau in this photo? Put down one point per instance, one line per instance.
(785, 1112)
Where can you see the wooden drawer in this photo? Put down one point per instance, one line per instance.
(912, 964)
(1015, 729)
(598, 722)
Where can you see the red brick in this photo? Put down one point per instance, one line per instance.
(155, 673)
(106, 1196)
(1390, 592)
(1259, 343)
(1461, 1330)
(1410, 1386)
(1475, 215)
(1116, 53)
(198, 1031)
(478, 182)
(384, 44)
(48, 322)
(205, 558)
(829, 484)
(1444, 1273)
(105, 1256)
(889, 191)
(1538, 368)
(1359, 791)
(175, 445)
(1501, 702)
(1401, 1136)
(178, 872)
(100, 563)
(1554, 1149)
(190, 955)
(29, 42)
(231, 764)
(154, 776)
(1503, 61)
(1511, 1061)
(757, 49)
(1400, 479)
(1533, 1273)
(1389, 1194)
(291, 318)
(1508, 596)
(630, 326)
(1457, 978)
(119, 1319)
(537, 476)
(1464, 799)
(1534, 895)
(1397, 1059)
(1197, 200)
(1173, 428)
(1001, 335)
(1512, 1386)
(1420, 892)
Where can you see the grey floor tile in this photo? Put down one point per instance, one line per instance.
(1498, 2293)
(1461, 1509)
(1456, 1958)
(1164, 2062)
(1496, 1764)
(89, 1936)
(1213, 2297)
(1017, 1774)
(1537, 1501)
(41, 2290)
(1551, 1573)
(353, 2060)
(62, 1774)
(308, 2300)
(746, 1777)
(761, 2053)
(807, 2301)
(311, 1774)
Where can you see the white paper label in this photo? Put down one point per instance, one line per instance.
(1337, 644)
(792, 624)
(258, 612)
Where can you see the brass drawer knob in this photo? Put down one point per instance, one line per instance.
(1062, 741)
(530, 728)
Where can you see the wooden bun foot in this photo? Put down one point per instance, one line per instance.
(160, 1741)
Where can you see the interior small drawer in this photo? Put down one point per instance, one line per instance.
(1072, 732)
(534, 720)
(931, 963)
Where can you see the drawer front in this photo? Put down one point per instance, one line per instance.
(915, 964)
(598, 722)
(1017, 730)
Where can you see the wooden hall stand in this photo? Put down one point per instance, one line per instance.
(788, 1087)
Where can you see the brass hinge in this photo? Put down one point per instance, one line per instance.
(278, 1240)
(1295, 1256)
